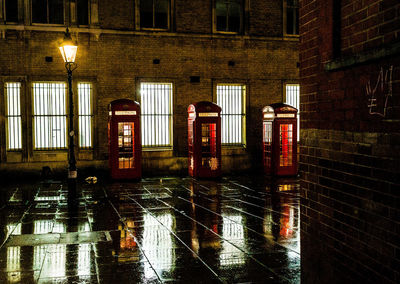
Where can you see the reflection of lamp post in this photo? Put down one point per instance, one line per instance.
(68, 51)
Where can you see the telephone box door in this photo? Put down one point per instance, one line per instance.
(204, 139)
(124, 140)
(286, 150)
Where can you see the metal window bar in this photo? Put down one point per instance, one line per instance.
(49, 116)
(156, 120)
(231, 98)
(85, 115)
(13, 116)
(293, 99)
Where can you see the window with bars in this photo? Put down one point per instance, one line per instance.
(156, 120)
(49, 116)
(154, 14)
(229, 15)
(48, 11)
(293, 99)
(231, 98)
(13, 115)
(291, 17)
(85, 115)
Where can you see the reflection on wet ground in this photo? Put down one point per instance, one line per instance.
(233, 230)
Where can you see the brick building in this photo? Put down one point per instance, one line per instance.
(350, 153)
(176, 51)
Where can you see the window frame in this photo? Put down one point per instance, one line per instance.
(169, 17)
(7, 130)
(48, 15)
(297, 106)
(242, 19)
(285, 22)
(170, 114)
(91, 115)
(244, 91)
(33, 116)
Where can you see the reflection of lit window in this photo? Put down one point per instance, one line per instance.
(158, 244)
(54, 263)
(85, 227)
(39, 252)
(59, 227)
(42, 226)
(84, 259)
(13, 264)
(232, 232)
(14, 229)
(48, 198)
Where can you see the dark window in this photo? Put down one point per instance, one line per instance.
(229, 15)
(154, 14)
(292, 17)
(11, 10)
(83, 12)
(48, 11)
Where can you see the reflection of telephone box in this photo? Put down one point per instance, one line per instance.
(204, 139)
(280, 139)
(125, 148)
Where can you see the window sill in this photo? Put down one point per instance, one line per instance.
(364, 57)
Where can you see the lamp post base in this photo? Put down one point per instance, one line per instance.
(72, 174)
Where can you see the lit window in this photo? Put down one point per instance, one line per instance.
(293, 99)
(11, 11)
(231, 98)
(85, 114)
(156, 107)
(49, 115)
(13, 97)
(228, 15)
(48, 11)
(154, 14)
(291, 17)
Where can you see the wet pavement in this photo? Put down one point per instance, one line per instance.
(232, 230)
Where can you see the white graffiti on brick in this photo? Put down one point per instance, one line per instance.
(378, 97)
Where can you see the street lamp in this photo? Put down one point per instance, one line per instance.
(68, 51)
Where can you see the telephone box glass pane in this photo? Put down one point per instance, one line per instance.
(125, 145)
(286, 145)
(267, 142)
(209, 146)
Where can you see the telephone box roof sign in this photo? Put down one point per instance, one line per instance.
(279, 108)
(204, 107)
(124, 107)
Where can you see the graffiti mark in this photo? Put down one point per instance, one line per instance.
(378, 96)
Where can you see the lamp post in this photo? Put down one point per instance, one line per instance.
(68, 51)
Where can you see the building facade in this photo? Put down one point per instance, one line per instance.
(165, 54)
(349, 160)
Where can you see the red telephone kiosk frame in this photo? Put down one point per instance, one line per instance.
(125, 147)
(280, 140)
(204, 139)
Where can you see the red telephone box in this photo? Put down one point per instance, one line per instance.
(204, 139)
(280, 139)
(125, 147)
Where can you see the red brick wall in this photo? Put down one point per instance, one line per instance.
(349, 154)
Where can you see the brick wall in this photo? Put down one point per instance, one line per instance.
(350, 153)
